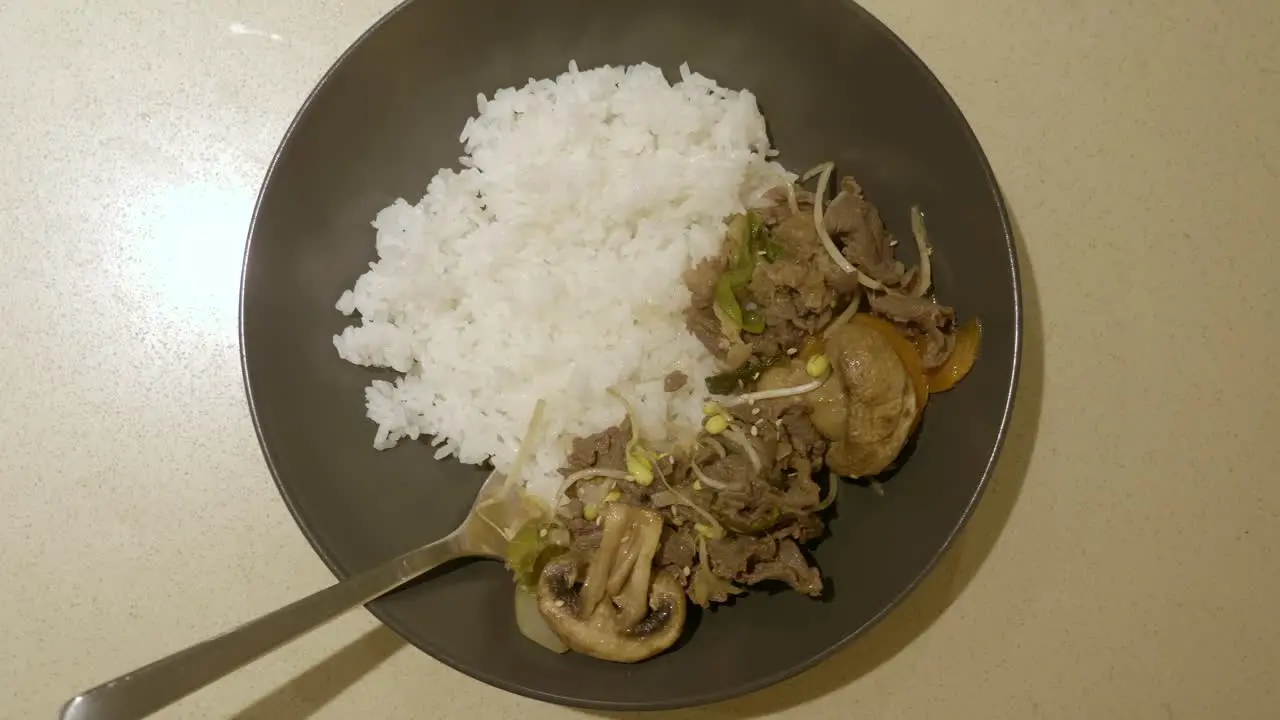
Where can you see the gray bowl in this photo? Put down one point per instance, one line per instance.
(834, 84)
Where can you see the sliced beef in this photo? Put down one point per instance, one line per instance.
(674, 381)
(911, 310)
(779, 207)
(731, 557)
(679, 547)
(935, 322)
(756, 413)
(781, 335)
(790, 567)
(936, 348)
(750, 510)
(701, 280)
(802, 528)
(792, 288)
(585, 535)
(803, 436)
(804, 260)
(699, 317)
(735, 470)
(797, 292)
(705, 326)
(706, 588)
(760, 429)
(633, 493)
(606, 449)
(867, 242)
(802, 493)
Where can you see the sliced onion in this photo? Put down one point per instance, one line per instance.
(511, 482)
(590, 473)
(526, 447)
(533, 625)
(925, 278)
(595, 494)
(791, 198)
(737, 354)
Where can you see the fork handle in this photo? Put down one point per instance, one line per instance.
(152, 687)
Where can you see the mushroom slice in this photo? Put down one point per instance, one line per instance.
(623, 612)
(880, 407)
(617, 531)
(632, 597)
(601, 635)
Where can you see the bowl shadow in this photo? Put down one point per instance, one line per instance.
(954, 571)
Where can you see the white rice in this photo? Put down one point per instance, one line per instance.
(549, 267)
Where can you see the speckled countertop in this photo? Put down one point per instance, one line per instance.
(1124, 564)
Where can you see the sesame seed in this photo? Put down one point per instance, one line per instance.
(559, 603)
(754, 411)
(755, 431)
(792, 351)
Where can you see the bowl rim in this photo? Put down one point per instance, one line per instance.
(757, 684)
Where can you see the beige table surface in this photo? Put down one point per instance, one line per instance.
(1124, 564)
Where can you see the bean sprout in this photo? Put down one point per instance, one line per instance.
(761, 395)
(735, 435)
(711, 519)
(705, 480)
(716, 446)
(854, 303)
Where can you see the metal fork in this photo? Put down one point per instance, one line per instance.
(152, 687)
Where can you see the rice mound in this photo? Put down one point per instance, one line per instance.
(549, 266)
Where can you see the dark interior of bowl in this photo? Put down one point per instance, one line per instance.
(833, 84)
